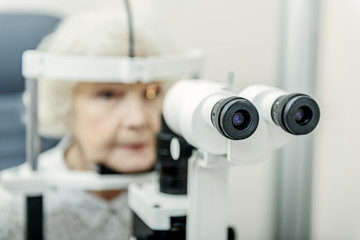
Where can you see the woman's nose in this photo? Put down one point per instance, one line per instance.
(134, 113)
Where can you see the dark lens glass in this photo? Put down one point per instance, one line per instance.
(237, 119)
(241, 119)
(303, 115)
(299, 114)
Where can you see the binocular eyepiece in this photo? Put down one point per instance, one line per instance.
(296, 113)
(235, 118)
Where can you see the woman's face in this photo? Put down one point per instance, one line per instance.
(115, 124)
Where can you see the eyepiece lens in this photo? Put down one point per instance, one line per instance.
(241, 119)
(299, 114)
(238, 119)
(235, 118)
(303, 115)
(296, 113)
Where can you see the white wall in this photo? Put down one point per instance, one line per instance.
(336, 206)
(237, 35)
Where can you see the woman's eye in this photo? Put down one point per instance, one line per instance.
(106, 94)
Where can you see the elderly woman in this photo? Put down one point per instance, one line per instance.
(111, 124)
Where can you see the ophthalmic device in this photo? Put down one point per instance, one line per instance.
(208, 128)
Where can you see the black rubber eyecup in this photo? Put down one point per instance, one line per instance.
(296, 113)
(235, 118)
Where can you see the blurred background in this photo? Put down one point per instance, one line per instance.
(310, 189)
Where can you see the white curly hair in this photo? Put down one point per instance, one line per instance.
(98, 33)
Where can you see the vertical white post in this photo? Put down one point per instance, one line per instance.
(297, 73)
(207, 191)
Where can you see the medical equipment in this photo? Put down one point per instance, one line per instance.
(295, 113)
(76, 68)
(36, 64)
(208, 115)
(219, 108)
(201, 214)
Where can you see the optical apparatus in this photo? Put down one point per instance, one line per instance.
(207, 128)
(31, 181)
